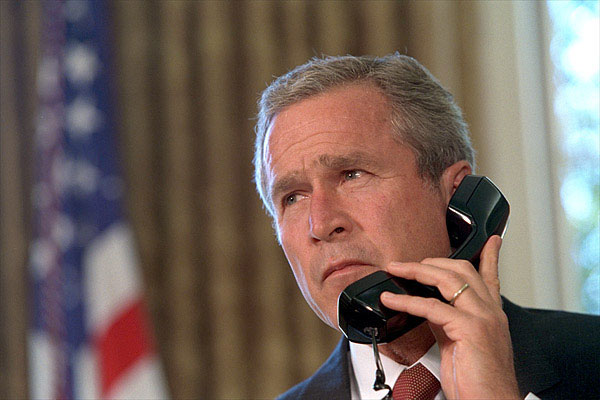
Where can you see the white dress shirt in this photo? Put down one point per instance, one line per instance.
(362, 371)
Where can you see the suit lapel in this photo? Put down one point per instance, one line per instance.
(332, 380)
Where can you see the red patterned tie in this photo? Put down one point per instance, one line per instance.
(416, 383)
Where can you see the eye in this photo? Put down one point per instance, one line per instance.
(290, 199)
(353, 174)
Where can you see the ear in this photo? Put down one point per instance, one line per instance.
(452, 177)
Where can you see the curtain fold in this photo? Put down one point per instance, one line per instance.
(229, 318)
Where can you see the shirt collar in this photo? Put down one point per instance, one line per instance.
(363, 365)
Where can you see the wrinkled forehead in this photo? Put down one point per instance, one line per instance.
(283, 139)
(281, 128)
(288, 127)
(336, 110)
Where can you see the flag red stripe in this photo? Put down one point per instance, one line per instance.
(124, 342)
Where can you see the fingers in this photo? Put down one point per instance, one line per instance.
(481, 298)
(447, 275)
(431, 309)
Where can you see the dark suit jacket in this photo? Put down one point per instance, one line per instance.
(557, 356)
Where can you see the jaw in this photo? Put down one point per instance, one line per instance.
(305, 289)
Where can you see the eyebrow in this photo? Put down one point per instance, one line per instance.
(335, 162)
(351, 160)
(284, 184)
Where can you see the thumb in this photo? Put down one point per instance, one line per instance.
(488, 266)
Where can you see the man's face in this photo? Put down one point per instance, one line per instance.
(347, 195)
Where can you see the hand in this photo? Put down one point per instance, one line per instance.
(473, 335)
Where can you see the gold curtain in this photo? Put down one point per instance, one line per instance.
(230, 321)
(228, 317)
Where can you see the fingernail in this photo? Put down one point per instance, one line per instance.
(386, 296)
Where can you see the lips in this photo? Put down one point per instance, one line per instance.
(340, 265)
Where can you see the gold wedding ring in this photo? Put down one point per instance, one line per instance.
(458, 293)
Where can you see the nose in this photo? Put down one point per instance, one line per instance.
(328, 220)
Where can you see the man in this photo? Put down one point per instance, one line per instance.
(356, 160)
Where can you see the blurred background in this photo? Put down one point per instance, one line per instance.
(224, 316)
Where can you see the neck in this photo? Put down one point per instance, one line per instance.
(408, 348)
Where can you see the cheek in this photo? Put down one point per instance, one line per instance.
(300, 274)
(294, 252)
(395, 222)
(412, 226)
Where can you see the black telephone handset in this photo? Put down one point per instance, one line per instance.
(477, 210)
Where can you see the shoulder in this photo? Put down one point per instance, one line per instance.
(331, 381)
(556, 346)
(553, 327)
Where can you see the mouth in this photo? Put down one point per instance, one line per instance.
(340, 267)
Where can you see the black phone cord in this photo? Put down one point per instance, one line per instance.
(379, 383)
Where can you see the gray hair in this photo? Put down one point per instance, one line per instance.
(424, 114)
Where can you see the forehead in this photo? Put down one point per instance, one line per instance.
(357, 110)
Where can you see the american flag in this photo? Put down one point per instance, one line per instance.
(90, 335)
